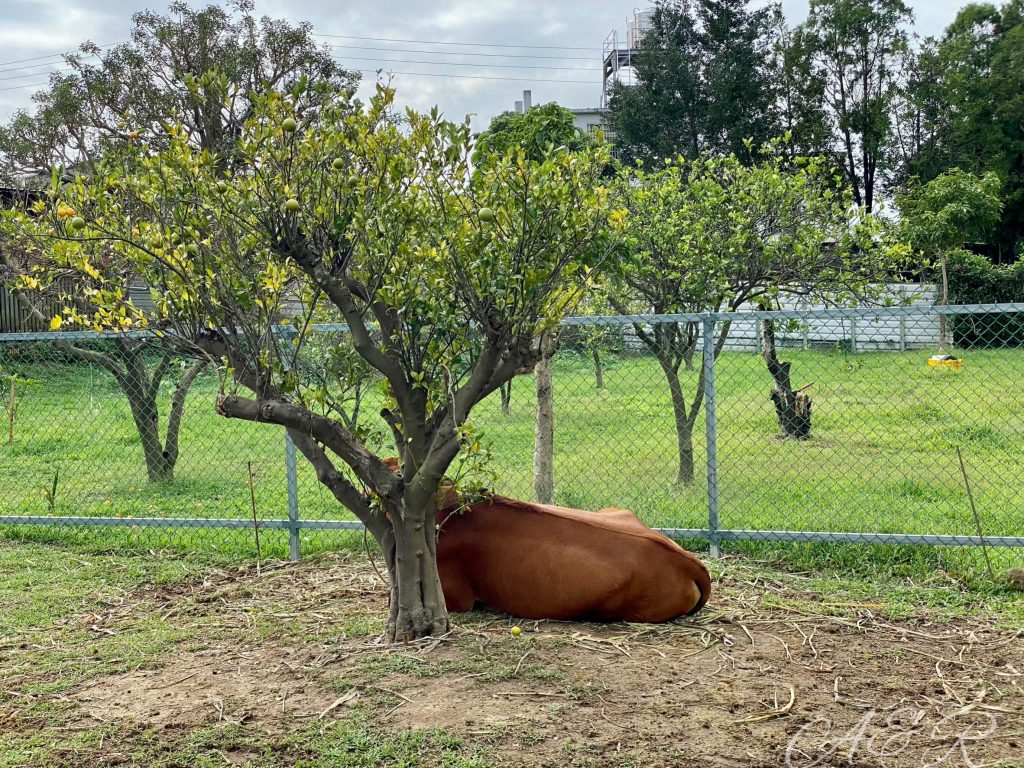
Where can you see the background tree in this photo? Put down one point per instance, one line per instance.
(713, 235)
(170, 70)
(966, 110)
(856, 49)
(703, 83)
(800, 90)
(538, 131)
(945, 213)
(446, 280)
(140, 365)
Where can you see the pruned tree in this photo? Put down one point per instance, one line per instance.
(446, 281)
(714, 235)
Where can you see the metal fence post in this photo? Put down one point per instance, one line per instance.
(903, 333)
(293, 498)
(711, 433)
(853, 334)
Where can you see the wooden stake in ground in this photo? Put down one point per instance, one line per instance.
(544, 427)
(974, 511)
(255, 522)
(11, 407)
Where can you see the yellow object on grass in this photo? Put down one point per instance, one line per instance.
(944, 361)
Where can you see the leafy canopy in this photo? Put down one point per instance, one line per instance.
(713, 234)
(952, 209)
(201, 66)
(704, 83)
(538, 132)
(347, 212)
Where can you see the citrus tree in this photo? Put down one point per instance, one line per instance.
(714, 234)
(446, 281)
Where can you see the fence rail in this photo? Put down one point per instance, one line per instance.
(879, 466)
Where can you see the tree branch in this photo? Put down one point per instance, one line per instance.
(367, 467)
(178, 406)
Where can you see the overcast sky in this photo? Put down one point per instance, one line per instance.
(567, 38)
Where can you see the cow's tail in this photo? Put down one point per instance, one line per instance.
(703, 581)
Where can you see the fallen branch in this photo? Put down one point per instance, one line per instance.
(779, 712)
(344, 698)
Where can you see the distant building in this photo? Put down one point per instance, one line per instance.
(590, 120)
(618, 57)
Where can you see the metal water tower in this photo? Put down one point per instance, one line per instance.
(619, 55)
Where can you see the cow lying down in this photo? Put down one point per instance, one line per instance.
(544, 562)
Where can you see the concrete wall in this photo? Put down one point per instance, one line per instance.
(861, 335)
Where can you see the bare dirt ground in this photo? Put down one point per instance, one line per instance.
(771, 673)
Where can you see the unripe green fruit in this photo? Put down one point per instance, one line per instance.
(290, 124)
(222, 186)
(291, 205)
(77, 223)
(486, 215)
(338, 164)
(353, 180)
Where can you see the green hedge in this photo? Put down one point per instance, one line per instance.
(973, 279)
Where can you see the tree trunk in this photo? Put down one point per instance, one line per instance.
(692, 334)
(684, 420)
(146, 415)
(792, 408)
(143, 394)
(417, 601)
(598, 369)
(544, 427)
(506, 397)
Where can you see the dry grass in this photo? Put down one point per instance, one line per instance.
(289, 666)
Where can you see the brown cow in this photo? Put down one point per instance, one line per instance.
(544, 562)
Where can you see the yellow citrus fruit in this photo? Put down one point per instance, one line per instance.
(516, 631)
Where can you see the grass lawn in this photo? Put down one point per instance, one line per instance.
(881, 458)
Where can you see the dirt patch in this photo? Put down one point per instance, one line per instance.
(261, 686)
(769, 674)
(789, 687)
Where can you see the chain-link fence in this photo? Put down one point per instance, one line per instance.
(843, 425)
